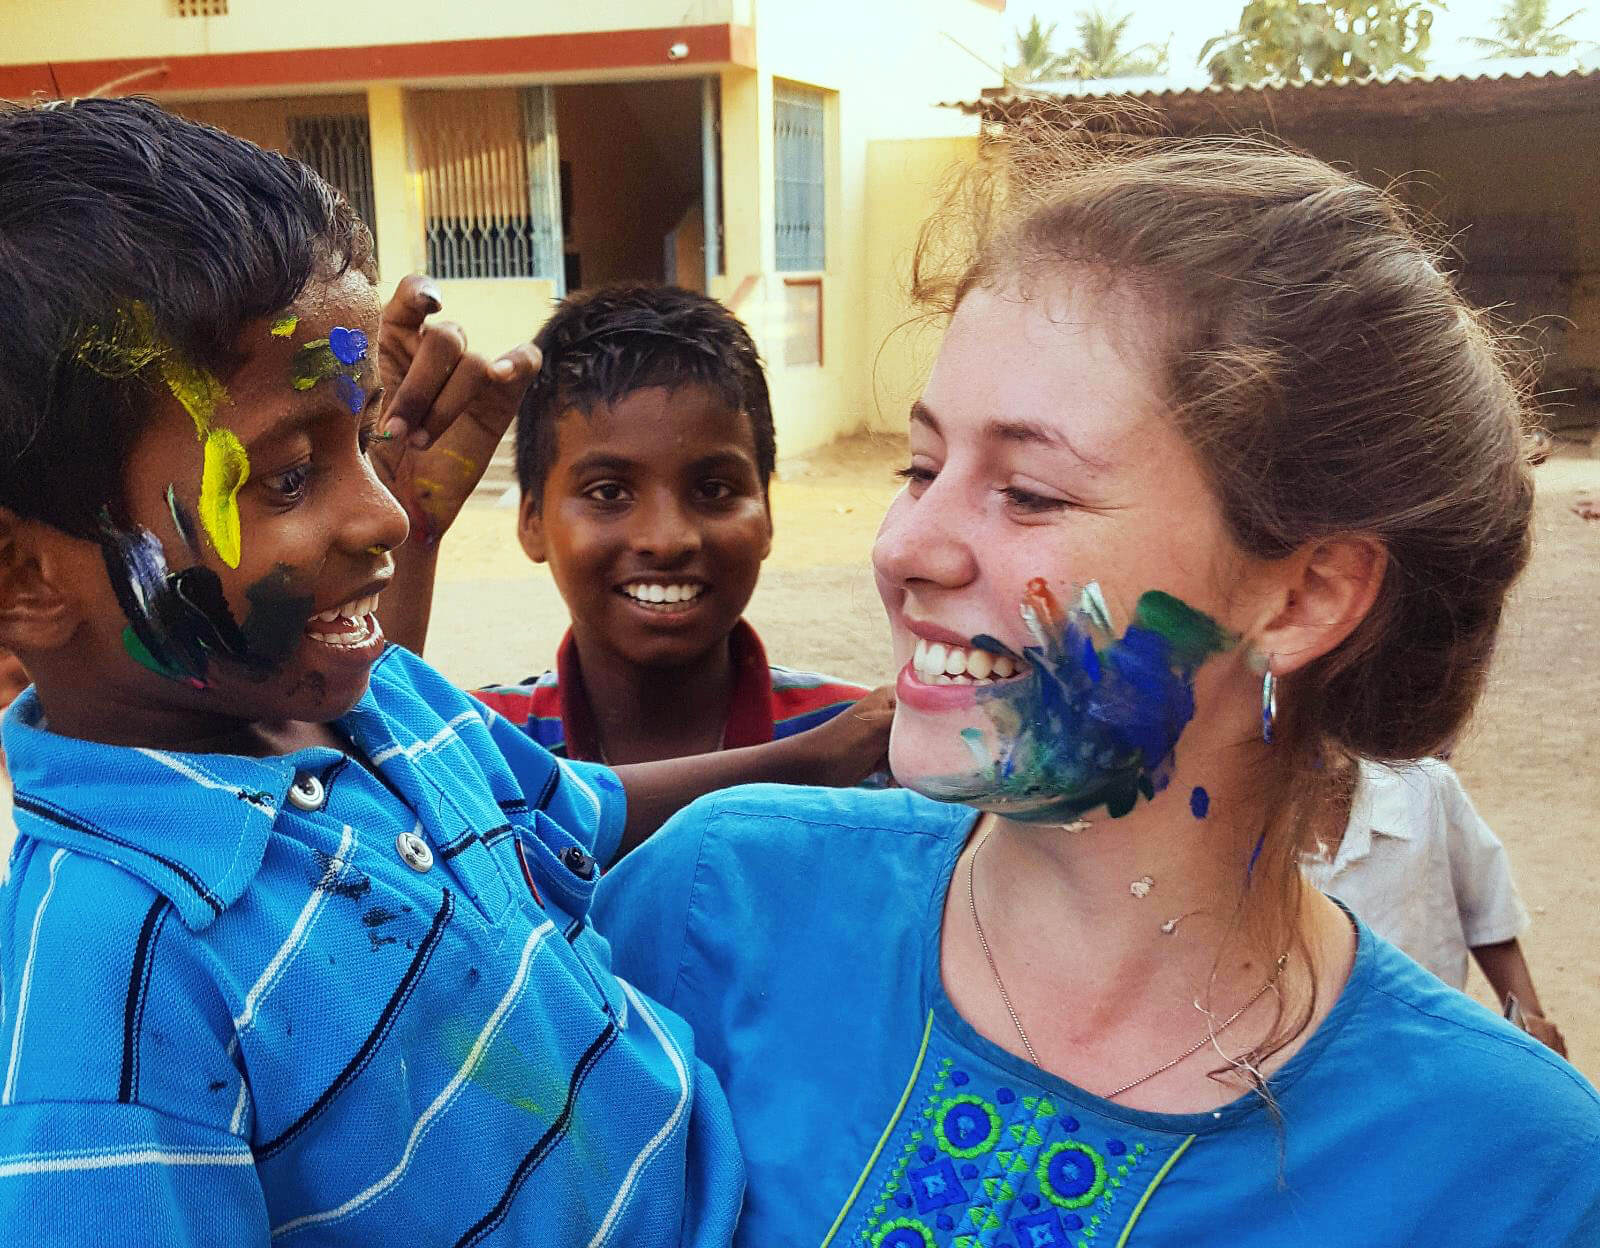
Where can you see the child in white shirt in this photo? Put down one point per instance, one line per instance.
(1423, 870)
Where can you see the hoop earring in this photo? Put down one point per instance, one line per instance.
(1269, 703)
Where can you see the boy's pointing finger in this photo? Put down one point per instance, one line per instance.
(415, 299)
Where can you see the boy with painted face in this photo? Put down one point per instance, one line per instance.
(294, 944)
(644, 451)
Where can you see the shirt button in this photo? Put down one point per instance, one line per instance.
(308, 793)
(577, 862)
(414, 851)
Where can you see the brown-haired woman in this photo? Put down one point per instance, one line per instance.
(1211, 416)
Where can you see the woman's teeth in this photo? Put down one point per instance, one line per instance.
(354, 624)
(654, 594)
(938, 664)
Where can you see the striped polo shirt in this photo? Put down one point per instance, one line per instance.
(768, 703)
(300, 1000)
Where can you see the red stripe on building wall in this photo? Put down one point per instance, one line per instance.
(398, 62)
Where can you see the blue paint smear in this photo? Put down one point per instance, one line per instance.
(1199, 803)
(349, 346)
(1096, 719)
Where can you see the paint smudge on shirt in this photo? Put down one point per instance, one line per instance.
(1098, 717)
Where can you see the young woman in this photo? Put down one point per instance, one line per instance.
(1215, 479)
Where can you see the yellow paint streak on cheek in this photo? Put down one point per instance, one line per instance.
(227, 468)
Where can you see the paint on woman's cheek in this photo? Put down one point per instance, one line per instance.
(1096, 718)
(339, 358)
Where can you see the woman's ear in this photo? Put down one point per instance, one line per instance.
(36, 564)
(1322, 594)
(530, 527)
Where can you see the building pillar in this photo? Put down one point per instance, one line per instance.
(396, 193)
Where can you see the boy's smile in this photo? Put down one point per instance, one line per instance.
(654, 522)
(237, 586)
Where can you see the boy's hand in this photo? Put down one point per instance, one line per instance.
(850, 746)
(446, 409)
(1545, 1032)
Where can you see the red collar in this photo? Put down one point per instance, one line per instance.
(749, 711)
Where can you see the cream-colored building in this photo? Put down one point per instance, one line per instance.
(515, 149)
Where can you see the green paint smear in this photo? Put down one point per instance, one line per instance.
(284, 326)
(314, 362)
(142, 656)
(227, 468)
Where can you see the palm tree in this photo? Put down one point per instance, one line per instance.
(1037, 61)
(1523, 28)
(1099, 53)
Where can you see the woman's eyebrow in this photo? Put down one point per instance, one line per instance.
(1031, 433)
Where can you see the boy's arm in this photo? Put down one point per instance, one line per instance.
(1506, 969)
(445, 412)
(844, 751)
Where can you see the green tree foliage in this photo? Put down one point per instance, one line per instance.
(1524, 28)
(1099, 52)
(1298, 41)
(1037, 60)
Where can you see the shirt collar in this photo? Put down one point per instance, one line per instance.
(1378, 805)
(749, 719)
(192, 826)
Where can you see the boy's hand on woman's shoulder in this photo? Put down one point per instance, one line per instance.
(853, 744)
(445, 411)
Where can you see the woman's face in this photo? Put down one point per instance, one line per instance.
(1042, 450)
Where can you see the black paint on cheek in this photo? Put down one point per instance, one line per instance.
(277, 616)
(201, 621)
(137, 570)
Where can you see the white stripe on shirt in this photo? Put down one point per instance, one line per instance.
(148, 1156)
(442, 1102)
(444, 734)
(27, 980)
(201, 776)
(624, 1194)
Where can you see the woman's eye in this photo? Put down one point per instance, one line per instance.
(290, 486)
(916, 476)
(1029, 502)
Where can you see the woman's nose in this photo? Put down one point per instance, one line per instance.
(927, 540)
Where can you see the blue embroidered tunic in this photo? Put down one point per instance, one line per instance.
(797, 931)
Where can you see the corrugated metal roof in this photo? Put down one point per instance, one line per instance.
(1534, 84)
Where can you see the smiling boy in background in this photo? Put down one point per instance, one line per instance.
(645, 449)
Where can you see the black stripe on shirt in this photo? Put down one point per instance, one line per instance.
(138, 993)
(553, 1135)
(46, 810)
(375, 1038)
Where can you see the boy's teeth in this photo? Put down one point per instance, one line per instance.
(355, 609)
(649, 591)
(938, 664)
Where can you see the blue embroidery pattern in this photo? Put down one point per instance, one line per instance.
(975, 1166)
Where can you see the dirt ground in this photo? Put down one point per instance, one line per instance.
(1531, 760)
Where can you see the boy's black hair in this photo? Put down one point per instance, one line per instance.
(602, 345)
(123, 226)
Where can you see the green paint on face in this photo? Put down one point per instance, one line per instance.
(142, 656)
(227, 468)
(284, 326)
(313, 362)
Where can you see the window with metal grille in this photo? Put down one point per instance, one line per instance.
(200, 8)
(340, 149)
(490, 177)
(800, 131)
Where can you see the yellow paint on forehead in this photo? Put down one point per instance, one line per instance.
(197, 389)
(227, 468)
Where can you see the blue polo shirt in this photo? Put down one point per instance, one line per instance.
(798, 932)
(298, 1000)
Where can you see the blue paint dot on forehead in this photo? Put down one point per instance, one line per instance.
(1199, 803)
(349, 346)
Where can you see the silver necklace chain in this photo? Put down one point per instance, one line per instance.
(1005, 997)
